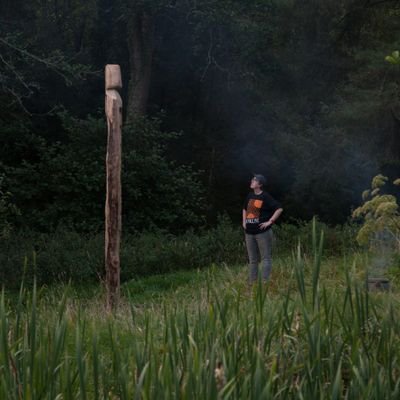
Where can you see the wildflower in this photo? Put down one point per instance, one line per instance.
(366, 194)
(375, 192)
(378, 181)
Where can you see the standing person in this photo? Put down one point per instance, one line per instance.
(260, 212)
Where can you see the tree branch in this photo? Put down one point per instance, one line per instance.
(47, 63)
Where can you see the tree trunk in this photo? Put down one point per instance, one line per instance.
(141, 45)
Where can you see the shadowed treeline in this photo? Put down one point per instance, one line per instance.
(296, 90)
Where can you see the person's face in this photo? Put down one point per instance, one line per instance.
(254, 184)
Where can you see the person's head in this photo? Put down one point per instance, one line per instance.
(258, 181)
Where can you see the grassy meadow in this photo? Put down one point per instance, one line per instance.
(313, 332)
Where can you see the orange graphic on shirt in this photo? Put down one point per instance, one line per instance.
(253, 208)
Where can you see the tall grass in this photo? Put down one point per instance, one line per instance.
(307, 335)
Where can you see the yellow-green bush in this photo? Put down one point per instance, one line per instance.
(379, 212)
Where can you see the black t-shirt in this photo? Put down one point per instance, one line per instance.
(259, 208)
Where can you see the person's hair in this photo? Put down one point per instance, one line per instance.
(260, 179)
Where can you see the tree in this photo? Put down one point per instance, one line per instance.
(31, 58)
(141, 40)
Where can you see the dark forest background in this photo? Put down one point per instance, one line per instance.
(214, 90)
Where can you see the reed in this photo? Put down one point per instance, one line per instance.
(304, 336)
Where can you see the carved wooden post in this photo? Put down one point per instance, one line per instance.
(113, 106)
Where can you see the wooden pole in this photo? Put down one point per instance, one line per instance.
(113, 108)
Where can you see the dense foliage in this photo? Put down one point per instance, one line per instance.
(64, 256)
(65, 184)
(297, 90)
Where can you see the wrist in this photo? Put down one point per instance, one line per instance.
(271, 221)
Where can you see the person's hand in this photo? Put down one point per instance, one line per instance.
(244, 225)
(265, 225)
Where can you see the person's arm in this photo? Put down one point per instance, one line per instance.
(276, 215)
(244, 211)
(272, 220)
(244, 219)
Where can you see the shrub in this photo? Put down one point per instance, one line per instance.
(8, 211)
(63, 182)
(338, 238)
(68, 255)
(379, 213)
